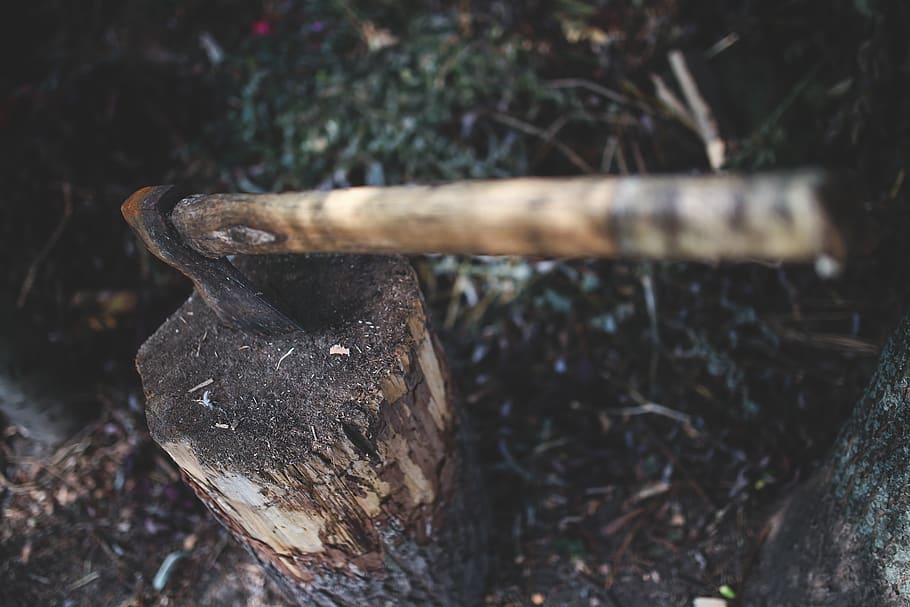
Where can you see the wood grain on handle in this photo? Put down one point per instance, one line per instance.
(778, 217)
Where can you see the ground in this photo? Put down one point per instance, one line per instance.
(599, 497)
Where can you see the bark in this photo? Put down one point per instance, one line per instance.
(336, 455)
(844, 537)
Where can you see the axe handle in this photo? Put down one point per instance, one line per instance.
(777, 217)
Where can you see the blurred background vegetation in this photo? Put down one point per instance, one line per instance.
(755, 366)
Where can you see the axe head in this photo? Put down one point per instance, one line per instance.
(236, 301)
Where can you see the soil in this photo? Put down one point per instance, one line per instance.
(97, 530)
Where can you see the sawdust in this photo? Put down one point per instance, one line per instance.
(273, 400)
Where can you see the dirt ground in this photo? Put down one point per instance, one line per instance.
(636, 422)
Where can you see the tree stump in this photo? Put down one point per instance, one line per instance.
(335, 454)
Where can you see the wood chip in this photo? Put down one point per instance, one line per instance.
(200, 386)
(650, 490)
(84, 580)
(339, 350)
(286, 354)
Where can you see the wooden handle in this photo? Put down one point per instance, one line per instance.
(778, 217)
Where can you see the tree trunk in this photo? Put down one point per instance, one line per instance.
(844, 537)
(335, 454)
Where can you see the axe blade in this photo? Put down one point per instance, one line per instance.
(230, 295)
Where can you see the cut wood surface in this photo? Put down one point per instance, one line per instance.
(775, 217)
(335, 454)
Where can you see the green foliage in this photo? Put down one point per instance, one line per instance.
(331, 98)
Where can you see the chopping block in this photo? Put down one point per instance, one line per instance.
(336, 453)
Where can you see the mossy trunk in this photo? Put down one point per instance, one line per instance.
(843, 539)
(335, 454)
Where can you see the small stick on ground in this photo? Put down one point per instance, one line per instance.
(673, 103)
(655, 409)
(594, 87)
(704, 119)
(541, 134)
(48, 246)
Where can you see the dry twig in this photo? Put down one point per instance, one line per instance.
(541, 134)
(704, 118)
(48, 246)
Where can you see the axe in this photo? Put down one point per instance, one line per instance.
(778, 217)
